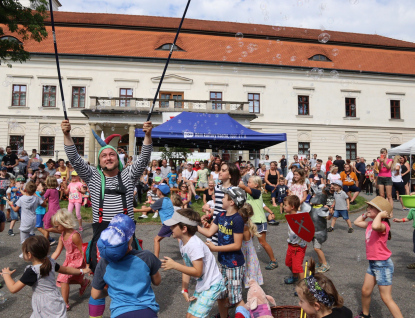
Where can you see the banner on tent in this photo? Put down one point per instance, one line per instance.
(192, 157)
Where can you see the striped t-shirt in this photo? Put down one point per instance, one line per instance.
(112, 202)
(219, 195)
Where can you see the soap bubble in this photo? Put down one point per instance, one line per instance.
(316, 73)
(125, 127)
(235, 70)
(112, 128)
(244, 54)
(239, 36)
(240, 44)
(368, 112)
(354, 1)
(334, 74)
(228, 49)
(324, 37)
(278, 56)
(353, 107)
(182, 67)
(224, 58)
(217, 115)
(293, 58)
(6, 83)
(179, 121)
(327, 122)
(335, 52)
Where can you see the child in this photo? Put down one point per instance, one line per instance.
(202, 175)
(199, 263)
(72, 241)
(52, 196)
(177, 201)
(410, 217)
(46, 299)
(298, 186)
(172, 178)
(185, 195)
(380, 270)
(230, 228)
(252, 268)
(209, 207)
(269, 215)
(341, 206)
(164, 207)
(369, 177)
(59, 179)
(13, 196)
(4, 184)
(131, 293)
(254, 198)
(296, 246)
(319, 298)
(86, 202)
(152, 193)
(40, 211)
(282, 191)
(30, 174)
(74, 192)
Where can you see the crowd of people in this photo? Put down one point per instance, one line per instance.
(233, 216)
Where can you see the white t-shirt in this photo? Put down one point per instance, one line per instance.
(196, 249)
(59, 183)
(211, 204)
(333, 177)
(189, 175)
(122, 158)
(289, 178)
(215, 176)
(396, 175)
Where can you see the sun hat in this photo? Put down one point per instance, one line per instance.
(381, 204)
(237, 195)
(164, 188)
(74, 173)
(178, 218)
(57, 173)
(338, 182)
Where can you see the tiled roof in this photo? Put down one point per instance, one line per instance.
(90, 39)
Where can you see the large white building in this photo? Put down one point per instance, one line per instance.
(350, 94)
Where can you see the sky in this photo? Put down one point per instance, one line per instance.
(391, 18)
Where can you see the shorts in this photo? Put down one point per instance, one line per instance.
(261, 227)
(341, 213)
(173, 185)
(295, 257)
(233, 278)
(400, 187)
(165, 231)
(382, 270)
(317, 244)
(39, 220)
(205, 300)
(202, 184)
(351, 188)
(14, 215)
(142, 313)
(385, 181)
(281, 199)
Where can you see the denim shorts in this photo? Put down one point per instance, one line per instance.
(341, 213)
(386, 181)
(39, 220)
(382, 270)
(261, 227)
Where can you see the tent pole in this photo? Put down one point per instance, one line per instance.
(135, 147)
(286, 153)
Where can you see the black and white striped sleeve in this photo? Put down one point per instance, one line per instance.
(137, 168)
(83, 169)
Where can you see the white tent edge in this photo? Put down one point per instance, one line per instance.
(407, 148)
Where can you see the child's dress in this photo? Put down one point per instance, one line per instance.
(74, 259)
(252, 267)
(53, 206)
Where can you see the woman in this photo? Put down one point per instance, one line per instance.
(296, 163)
(34, 163)
(405, 173)
(384, 166)
(271, 181)
(350, 183)
(208, 194)
(398, 186)
(63, 170)
(316, 178)
(23, 162)
(261, 172)
(333, 175)
(152, 170)
(305, 163)
(214, 174)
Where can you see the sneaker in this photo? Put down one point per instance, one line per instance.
(10, 233)
(318, 265)
(361, 315)
(155, 215)
(290, 280)
(323, 268)
(9, 220)
(406, 209)
(350, 230)
(197, 197)
(52, 242)
(87, 282)
(81, 229)
(271, 265)
(353, 203)
(273, 222)
(143, 216)
(330, 229)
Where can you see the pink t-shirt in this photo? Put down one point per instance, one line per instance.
(383, 171)
(376, 243)
(74, 195)
(298, 189)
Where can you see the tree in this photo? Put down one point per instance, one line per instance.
(19, 24)
(174, 153)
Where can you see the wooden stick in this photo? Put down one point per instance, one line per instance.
(305, 276)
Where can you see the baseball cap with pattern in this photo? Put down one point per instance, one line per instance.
(236, 194)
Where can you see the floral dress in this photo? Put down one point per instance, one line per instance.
(252, 267)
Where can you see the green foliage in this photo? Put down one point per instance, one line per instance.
(174, 153)
(19, 24)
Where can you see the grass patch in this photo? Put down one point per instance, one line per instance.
(197, 206)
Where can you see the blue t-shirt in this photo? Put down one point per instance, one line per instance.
(361, 166)
(228, 226)
(129, 282)
(281, 191)
(165, 208)
(40, 209)
(172, 177)
(15, 195)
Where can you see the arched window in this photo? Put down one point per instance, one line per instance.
(319, 57)
(10, 38)
(167, 47)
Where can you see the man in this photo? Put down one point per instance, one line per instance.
(165, 170)
(283, 165)
(361, 171)
(323, 168)
(35, 154)
(197, 166)
(313, 161)
(329, 164)
(10, 160)
(189, 176)
(50, 167)
(121, 155)
(319, 171)
(339, 163)
(266, 162)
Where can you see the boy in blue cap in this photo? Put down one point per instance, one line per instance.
(164, 207)
(131, 294)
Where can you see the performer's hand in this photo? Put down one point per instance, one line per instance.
(147, 127)
(66, 127)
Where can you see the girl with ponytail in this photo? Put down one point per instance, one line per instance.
(46, 299)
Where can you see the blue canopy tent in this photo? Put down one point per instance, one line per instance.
(215, 131)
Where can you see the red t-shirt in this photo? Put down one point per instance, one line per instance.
(328, 164)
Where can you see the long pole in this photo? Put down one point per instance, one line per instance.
(57, 60)
(168, 60)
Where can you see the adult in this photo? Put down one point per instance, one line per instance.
(50, 167)
(261, 172)
(209, 193)
(316, 178)
(333, 174)
(2, 154)
(339, 162)
(214, 160)
(271, 181)
(320, 171)
(70, 169)
(121, 155)
(361, 170)
(405, 173)
(35, 154)
(305, 163)
(283, 165)
(398, 186)
(214, 174)
(266, 162)
(329, 163)
(322, 167)
(313, 161)
(384, 181)
(350, 183)
(196, 166)
(10, 160)
(189, 177)
(290, 176)
(41, 174)
(63, 170)
(165, 170)
(296, 162)
(23, 161)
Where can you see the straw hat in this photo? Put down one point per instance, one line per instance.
(381, 204)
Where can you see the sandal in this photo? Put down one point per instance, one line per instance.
(361, 315)
(271, 265)
(83, 288)
(411, 266)
(68, 307)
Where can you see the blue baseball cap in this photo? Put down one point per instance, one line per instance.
(164, 188)
(113, 242)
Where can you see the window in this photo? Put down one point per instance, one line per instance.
(351, 150)
(47, 146)
(171, 95)
(254, 103)
(303, 148)
(395, 109)
(19, 95)
(79, 144)
(303, 105)
(49, 96)
(216, 98)
(125, 93)
(319, 57)
(16, 142)
(78, 97)
(167, 47)
(395, 145)
(350, 107)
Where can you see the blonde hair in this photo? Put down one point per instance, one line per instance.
(64, 218)
(257, 180)
(51, 182)
(395, 161)
(247, 212)
(333, 167)
(176, 200)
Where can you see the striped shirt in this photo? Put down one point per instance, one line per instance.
(112, 202)
(219, 195)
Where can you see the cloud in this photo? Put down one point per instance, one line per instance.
(383, 17)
